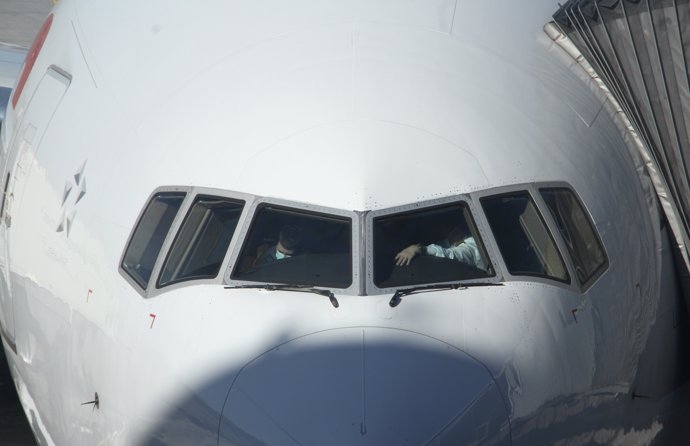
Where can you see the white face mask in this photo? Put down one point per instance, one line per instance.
(280, 255)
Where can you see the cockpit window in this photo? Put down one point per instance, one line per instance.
(577, 231)
(523, 238)
(4, 100)
(293, 246)
(439, 244)
(203, 240)
(149, 235)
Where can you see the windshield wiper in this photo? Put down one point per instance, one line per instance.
(297, 288)
(396, 299)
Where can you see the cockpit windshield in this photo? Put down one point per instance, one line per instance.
(432, 245)
(294, 246)
(274, 244)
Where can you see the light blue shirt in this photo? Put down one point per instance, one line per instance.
(465, 252)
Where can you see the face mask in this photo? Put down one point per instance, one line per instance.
(280, 255)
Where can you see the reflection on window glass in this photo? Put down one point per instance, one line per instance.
(432, 245)
(577, 232)
(292, 246)
(203, 240)
(523, 238)
(5, 94)
(150, 234)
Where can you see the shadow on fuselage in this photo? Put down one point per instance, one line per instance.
(344, 386)
(654, 409)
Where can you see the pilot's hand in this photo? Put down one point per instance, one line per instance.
(404, 257)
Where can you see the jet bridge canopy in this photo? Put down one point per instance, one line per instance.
(640, 51)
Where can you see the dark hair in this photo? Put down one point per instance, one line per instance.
(457, 234)
(290, 237)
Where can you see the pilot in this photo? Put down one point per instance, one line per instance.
(458, 245)
(289, 241)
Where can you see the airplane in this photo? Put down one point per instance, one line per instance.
(342, 223)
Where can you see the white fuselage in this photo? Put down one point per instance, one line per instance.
(360, 106)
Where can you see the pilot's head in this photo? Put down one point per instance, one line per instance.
(457, 235)
(289, 240)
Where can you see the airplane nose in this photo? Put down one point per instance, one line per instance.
(364, 386)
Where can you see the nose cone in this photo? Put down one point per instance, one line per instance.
(365, 386)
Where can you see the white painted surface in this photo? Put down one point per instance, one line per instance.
(367, 105)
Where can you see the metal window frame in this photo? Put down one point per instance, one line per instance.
(532, 190)
(243, 231)
(601, 269)
(143, 290)
(371, 288)
(193, 200)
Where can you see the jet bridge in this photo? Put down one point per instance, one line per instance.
(637, 51)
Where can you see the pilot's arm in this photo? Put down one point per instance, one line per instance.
(404, 257)
(465, 252)
(460, 252)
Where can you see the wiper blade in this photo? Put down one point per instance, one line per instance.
(297, 288)
(396, 299)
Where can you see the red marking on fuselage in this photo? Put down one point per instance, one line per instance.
(31, 58)
(153, 319)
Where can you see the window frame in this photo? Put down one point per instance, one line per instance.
(477, 221)
(193, 200)
(362, 237)
(241, 233)
(597, 235)
(166, 241)
(533, 190)
(192, 193)
(540, 213)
